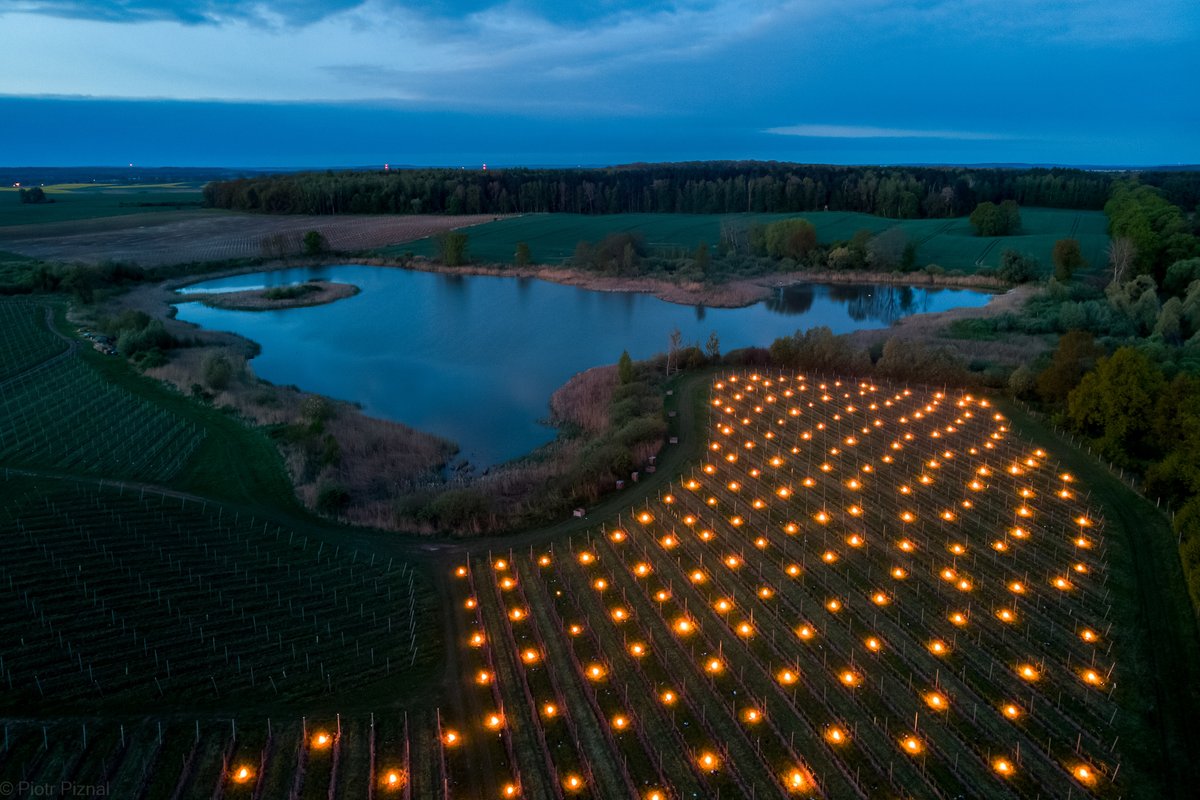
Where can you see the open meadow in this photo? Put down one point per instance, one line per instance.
(950, 243)
(69, 202)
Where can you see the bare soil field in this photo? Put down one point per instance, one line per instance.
(191, 236)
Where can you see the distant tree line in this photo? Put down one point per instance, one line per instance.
(690, 188)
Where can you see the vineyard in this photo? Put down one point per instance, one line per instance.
(59, 414)
(66, 417)
(860, 591)
(864, 592)
(118, 599)
(303, 758)
(27, 340)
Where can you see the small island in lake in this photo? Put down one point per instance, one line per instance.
(309, 293)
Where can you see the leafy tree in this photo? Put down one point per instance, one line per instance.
(1180, 275)
(32, 196)
(1067, 258)
(1022, 381)
(1012, 216)
(1017, 267)
(1169, 325)
(523, 256)
(818, 349)
(1177, 430)
(1112, 401)
(990, 219)
(617, 253)
(1076, 353)
(1190, 310)
(756, 237)
(582, 258)
(314, 243)
(886, 251)
(625, 368)
(1137, 300)
(452, 248)
(1156, 228)
(790, 238)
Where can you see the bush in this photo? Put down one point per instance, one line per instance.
(314, 243)
(979, 330)
(452, 248)
(332, 498)
(131, 341)
(1017, 267)
(291, 292)
(642, 429)
(217, 371)
(459, 508)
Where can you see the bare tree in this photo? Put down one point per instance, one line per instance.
(1121, 253)
(675, 339)
(713, 346)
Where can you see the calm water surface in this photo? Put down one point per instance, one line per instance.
(475, 358)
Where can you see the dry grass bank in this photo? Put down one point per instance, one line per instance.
(326, 444)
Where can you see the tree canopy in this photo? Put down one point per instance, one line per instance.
(717, 187)
(990, 219)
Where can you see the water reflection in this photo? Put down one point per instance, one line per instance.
(793, 300)
(883, 303)
(476, 358)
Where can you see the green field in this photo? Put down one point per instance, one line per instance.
(78, 201)
(948, 243)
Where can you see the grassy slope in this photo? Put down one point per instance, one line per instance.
(950, 243)
(234, 463)
(1160, 656)
(84, 201)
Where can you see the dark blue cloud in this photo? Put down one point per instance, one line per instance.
(197, 12)
(192, 12)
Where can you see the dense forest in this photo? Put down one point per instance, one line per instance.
(689, 188)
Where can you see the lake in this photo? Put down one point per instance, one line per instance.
(475, 358)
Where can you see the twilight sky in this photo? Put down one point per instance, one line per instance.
(359, 82)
